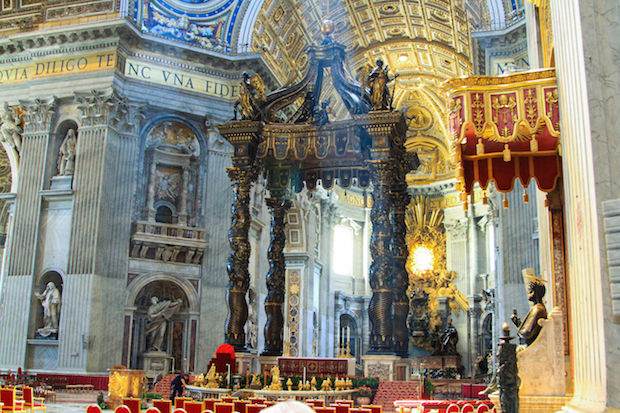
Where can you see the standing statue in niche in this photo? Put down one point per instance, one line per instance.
(50, 300)
(529, 327)
(159, 313)
(66, 154)
(10, 129)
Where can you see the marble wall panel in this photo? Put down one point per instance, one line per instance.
(14, 312)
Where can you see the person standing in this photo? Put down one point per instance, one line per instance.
(177, 386)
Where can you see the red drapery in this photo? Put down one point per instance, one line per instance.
(505, 128)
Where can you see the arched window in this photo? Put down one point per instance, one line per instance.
(164, 215)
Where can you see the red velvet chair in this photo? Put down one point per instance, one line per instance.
(360, 410)
(373, 408)
(30, 402)
(453, 408)
(193, 406)
(316, 403)
(325, 409)
(468, 408)
(229, 399)
(133, 404)
(93, 408)
(152, 410)
(179, 410)
(348, 402)
(341, 408)
(240, 405)
(257, 400)
(483, 408)
(254, 408)
(9, 401)
(164, 406)
(179, 402)
(122, 409)
(224, 407)
(210, 404)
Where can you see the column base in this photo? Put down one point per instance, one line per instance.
(245, 362)
(382, 366)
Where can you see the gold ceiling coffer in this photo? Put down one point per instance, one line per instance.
(288, 136)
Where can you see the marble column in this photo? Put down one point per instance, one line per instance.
(238, 261)
(380, 275)
(275, 278)
(400, 276)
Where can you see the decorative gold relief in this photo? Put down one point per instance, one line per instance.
(426, 235)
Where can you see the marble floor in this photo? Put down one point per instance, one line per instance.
(68, 407)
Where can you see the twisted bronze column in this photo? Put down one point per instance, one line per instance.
(380, 274)
(237, 264)
(401, 199)
(275, 278)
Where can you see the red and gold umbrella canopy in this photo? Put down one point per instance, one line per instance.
(505, 128)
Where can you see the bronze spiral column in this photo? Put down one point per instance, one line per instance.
(400, 198)
(380, 274)
(275, 278)
(237, 264)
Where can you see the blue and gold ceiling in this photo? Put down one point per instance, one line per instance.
(208, 24)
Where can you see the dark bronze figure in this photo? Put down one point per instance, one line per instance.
(508, 373)
(449, 339)
(379, 93)
(529, 328)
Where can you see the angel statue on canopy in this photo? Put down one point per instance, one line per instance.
(251, 94)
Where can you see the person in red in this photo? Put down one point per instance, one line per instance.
(177, 386)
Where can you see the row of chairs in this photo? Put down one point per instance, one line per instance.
(10, 402)
(440, 406)
(229, 405)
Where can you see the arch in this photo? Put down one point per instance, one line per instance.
(152, 123)
(141, 281)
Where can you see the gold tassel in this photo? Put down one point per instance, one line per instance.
(463, 196)
(559, 149)
(534, 145)
(465, 206)
(479, 147)
(506, 153)
(526, 197)
(485, 200)
(505, 202)
(547, 202)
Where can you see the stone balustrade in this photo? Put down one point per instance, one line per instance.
(168, 242)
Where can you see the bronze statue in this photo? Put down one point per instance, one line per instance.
(251, 94)
(449, 339)
(529, 328)
(379, 92)
(508, 373)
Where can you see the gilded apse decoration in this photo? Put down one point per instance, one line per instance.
(175, 137)
(426, 284)
(251, 96)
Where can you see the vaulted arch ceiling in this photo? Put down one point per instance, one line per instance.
(425, 41)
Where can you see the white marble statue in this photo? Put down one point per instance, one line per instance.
(10, 128)
(66, 154)
(50, 300)
(159, 313)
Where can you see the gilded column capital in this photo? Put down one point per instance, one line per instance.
(39, 114)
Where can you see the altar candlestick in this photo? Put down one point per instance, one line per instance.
(304, 376)
(338, 341)
(348, 334)
(228, 375)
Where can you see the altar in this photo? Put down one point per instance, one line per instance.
(316, 367)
